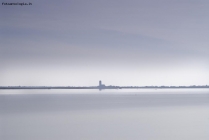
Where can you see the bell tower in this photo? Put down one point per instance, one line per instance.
(100, 83)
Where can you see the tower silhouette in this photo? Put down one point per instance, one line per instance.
(100, 83)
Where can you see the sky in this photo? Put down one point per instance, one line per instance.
(121, 42)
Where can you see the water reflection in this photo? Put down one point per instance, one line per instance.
(132, 115)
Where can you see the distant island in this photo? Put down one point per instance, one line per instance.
(102, 87)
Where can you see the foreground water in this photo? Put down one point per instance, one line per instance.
(106, 115)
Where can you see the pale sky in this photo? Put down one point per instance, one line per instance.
(121, 42)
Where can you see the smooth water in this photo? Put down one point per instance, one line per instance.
(105, 115)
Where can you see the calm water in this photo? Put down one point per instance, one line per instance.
(107, 115)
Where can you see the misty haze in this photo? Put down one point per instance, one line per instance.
(153, 56)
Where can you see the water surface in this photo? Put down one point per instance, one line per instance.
(104, 115)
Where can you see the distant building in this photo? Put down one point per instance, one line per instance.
(101, 86)
(100, 83)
